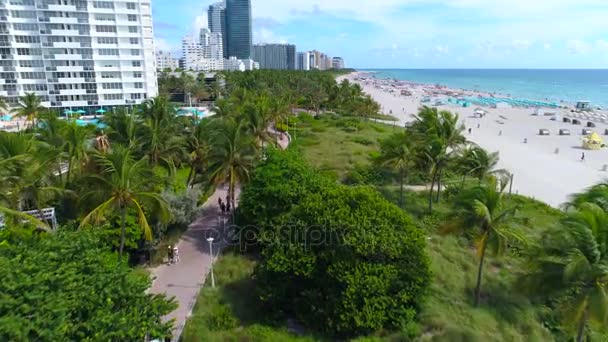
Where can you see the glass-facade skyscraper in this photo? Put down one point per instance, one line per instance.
(238, 29)
(216, 17)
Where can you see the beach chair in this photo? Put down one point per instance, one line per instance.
(543, 131)
(564, 132)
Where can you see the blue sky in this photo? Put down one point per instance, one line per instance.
(418, 33)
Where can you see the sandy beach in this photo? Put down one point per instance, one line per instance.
(548, 168)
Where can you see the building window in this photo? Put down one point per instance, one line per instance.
(103, 4)
(132, 29)
(25, 27)
(104, 17)
(28, 52)
(134, 41)
(137, 74)
(107, 40)
(34, 87)
(22, 2)
(106, 28)
(31, 64)
(135, 96)
(111, 85)
(27, 39)
(134, 52)
(131, 5)
(132, 17)
(33, 75)
(24, 14)
(139, 85)
(136, 64)
(112, 96)
(108, 52)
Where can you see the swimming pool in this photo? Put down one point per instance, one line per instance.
(5, 117)
(94, 122)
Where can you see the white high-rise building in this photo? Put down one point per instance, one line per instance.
(204, 53)
(192, 52)
(303, 61)
(165, 60)
(77, 53)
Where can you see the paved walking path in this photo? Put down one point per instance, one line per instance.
(184, 279)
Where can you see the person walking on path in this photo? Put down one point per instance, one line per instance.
(175, 254)
(228, 208)
(223, 208)
(219, 201)
(170, 254)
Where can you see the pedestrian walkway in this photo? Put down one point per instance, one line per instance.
(184, 279)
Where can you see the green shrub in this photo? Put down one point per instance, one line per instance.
(362, 141)
(221, 318)
(365, 268)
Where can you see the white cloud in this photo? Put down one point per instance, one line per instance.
(165, 45)
(264, 35)
(547, 46)
(578, 46)
(602, 45)
(521, 44)
(441, 50)
(200, 21)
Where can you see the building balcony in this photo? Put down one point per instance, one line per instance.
(60, 8)
(65, 32)
(63, 20)
(71, 80)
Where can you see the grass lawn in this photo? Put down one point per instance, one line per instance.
(231, 311)
(336, 145)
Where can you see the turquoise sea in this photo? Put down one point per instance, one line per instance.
(534, 84)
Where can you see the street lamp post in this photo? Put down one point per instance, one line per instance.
(210, 240)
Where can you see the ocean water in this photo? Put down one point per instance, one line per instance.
(533, 84)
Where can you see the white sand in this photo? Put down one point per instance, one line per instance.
(539, 171)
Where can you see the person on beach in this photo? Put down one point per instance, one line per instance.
(583, 157)
(470, 130)
(478, 125)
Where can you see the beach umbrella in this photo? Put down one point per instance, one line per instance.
(80, 111)
(100, 111)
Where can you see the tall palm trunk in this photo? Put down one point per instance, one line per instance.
(191, 174)
(123, 214)
(480, 271)
(433, 179)
(581, 325)
(438, 185)
(69, 170)
(401, 184)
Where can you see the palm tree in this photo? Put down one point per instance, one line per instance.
(76, 140)
(483, 211)
(30, 107)
(25, 172)
(440, 134)
(479, 163)
(3, 104)
(125, 183)
(573, 263)
(199, 149)
(396, 154)
(233, 154)
(160, 139)
(256, 118)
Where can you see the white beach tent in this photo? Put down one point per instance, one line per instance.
(501, 105)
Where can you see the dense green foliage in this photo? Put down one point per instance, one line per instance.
(69, 287)
(339, 258)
